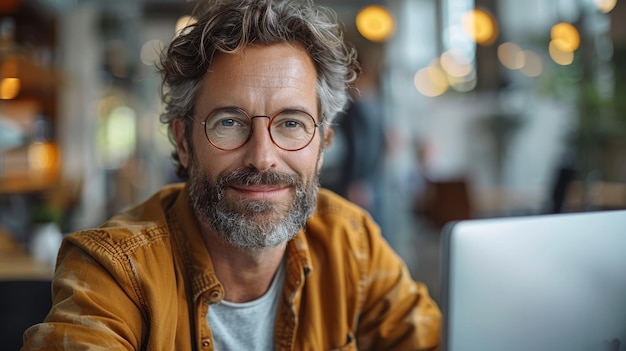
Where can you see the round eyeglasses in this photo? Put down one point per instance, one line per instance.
(231, 128)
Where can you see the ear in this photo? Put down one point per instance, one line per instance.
(329, 133)
(182, 146)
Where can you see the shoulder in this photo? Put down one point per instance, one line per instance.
(337, 221)
(129, 232)
(331, 204)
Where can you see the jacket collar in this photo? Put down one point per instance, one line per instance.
(187, 237)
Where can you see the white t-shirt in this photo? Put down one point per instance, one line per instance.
(250, 325)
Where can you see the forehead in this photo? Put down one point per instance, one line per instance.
(261, 79)
(276, 66)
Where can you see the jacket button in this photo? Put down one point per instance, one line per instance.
(215, 295)
(206, 342)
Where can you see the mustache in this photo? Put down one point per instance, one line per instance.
(252, 176)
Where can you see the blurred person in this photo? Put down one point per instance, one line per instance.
(248, 253)
(358, 168)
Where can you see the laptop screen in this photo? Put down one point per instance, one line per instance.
(545, 282)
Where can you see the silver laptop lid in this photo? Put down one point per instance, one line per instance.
(549, 282)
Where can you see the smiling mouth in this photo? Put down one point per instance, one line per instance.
(249, 184)
(260, 192)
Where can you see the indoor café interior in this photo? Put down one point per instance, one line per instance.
(470, 109)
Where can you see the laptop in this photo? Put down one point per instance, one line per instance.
(543, 282)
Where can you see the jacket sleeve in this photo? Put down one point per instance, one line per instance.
(397, 313)
(93, 306)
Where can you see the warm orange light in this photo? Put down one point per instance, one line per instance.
(42, 156)
(565, 36)
(375, 23)
(9, 88)
(481, 26)
(562, 58)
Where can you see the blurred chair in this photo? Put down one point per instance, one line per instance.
(22, 303)
(445, 201)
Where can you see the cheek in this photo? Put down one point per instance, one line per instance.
(211, 163)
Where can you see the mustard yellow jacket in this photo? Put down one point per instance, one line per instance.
(144, 281)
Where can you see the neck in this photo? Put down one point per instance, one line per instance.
(245, 274)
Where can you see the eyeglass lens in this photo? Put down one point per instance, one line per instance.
(230, 128)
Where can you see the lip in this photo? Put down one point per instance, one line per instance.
(260, 192)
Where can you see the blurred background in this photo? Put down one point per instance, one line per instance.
(466, 109)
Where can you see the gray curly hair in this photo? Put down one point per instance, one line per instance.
(227, 26)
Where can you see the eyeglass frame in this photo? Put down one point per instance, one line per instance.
(251, 119)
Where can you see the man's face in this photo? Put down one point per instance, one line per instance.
(259, 195)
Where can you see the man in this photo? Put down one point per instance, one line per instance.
(246, 255)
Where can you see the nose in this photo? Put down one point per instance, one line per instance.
(260, 151)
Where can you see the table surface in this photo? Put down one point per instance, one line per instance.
(17, 264)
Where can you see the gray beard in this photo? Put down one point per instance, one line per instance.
(257, 224)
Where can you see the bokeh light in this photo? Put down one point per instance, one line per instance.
(456, 63)
(509, 56)
(183, 22)
(464, 84)
(121, 132)
(9, 88)
(459, 70)
(605, 6)
(481, 26)
(559, 56)
(565, 36)
(10, 85)
(431, 81)
(375, 23)
(150, 51)
(42, 156)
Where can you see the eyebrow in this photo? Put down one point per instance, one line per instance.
(286, 108)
